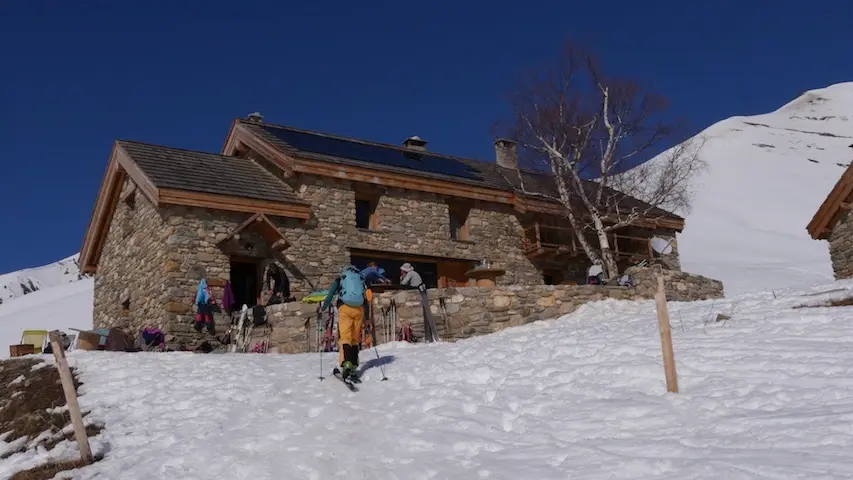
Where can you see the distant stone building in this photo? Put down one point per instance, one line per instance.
(165, 218)
(833, 222)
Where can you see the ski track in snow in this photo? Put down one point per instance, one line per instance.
(767, 394)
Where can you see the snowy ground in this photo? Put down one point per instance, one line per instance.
(60, 307)
(767, 176)
(767, 394)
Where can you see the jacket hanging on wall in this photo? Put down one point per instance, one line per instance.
(228, 298)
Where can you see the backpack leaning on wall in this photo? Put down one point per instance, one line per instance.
(259, 315)
(352, 287)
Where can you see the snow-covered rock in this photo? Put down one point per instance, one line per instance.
(767, 176)
(17, 284)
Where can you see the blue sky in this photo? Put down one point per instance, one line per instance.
(177, 73)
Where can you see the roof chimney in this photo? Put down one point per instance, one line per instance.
(505, 155)
(415, 143)
(255, 117)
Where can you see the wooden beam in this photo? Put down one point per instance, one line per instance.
(241, 134)
(276, 240)
(234, 204)
(99, 223)
(665, 335)
(397, 180)
(67, 381)
(129, 193)
(140, 179)
(828, 210)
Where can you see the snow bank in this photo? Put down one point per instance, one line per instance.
(766, 394)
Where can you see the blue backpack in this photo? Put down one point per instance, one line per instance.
(352, 287)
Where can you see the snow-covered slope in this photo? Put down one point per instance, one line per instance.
(55, 308)
(767, 176)
(766, 394)
(23, 282)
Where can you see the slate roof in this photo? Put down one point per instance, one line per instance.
(476, 172)
(202, 172)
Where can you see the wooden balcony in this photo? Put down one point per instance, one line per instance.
(552, 242)
(549, 241)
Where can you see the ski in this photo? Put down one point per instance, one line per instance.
(348, 383)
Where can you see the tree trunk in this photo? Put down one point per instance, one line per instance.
(577, 229)
(611, 270)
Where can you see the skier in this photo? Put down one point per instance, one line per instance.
(351, 292)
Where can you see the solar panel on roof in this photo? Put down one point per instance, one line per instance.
(421, 161)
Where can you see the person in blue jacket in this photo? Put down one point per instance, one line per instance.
(374, 274)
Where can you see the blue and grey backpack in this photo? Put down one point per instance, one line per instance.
(352, 287)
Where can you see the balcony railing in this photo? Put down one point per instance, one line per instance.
(540, 239)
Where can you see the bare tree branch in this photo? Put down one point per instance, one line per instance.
(588, 128)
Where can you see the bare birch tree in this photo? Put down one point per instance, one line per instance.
(588, 128)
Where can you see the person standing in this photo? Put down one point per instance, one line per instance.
(409, 277)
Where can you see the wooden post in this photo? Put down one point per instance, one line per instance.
(71, 397)
(665, 337)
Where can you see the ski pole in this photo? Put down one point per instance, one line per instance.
(319, 350)
(376, 350)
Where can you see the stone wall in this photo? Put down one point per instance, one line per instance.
(679, 286)
(841, 247)
(469, 311)
(130, 268)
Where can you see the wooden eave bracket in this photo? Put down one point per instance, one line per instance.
(271, 233)
(241, 135)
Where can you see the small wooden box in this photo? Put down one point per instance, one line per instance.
(88, 341)
(21, 350)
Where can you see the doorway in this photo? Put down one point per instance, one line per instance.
(245, 282)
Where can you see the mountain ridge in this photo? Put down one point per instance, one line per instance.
(767, 175)
(28, 280)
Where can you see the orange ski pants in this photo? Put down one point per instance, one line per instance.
(350, 328)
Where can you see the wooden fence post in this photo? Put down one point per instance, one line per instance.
(71, 397)
(665, 336)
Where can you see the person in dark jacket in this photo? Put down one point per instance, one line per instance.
(277, 283)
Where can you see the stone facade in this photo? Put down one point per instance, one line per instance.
(470, 311)
(841, 247)
(129, 287)
(153, 259)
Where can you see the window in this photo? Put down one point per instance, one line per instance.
(458, 222)
(365, 213)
